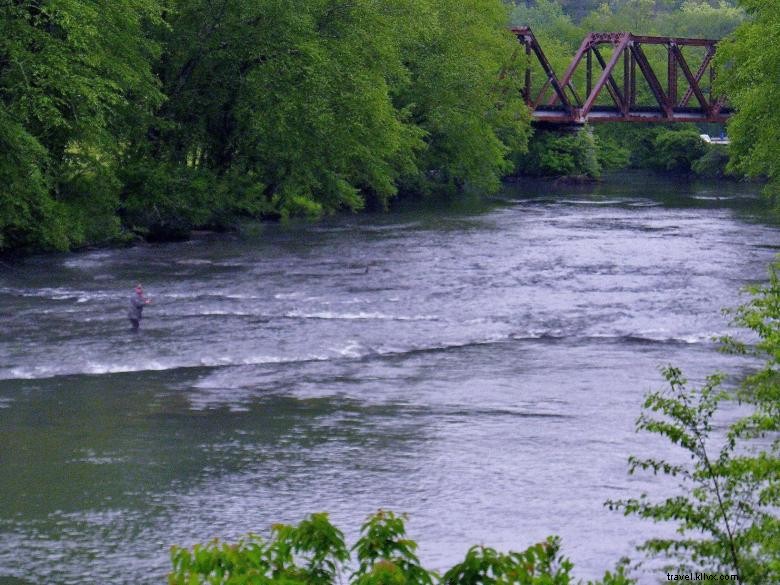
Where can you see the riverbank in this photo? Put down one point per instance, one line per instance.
(581, 184)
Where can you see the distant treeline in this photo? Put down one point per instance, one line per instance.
(130, 118)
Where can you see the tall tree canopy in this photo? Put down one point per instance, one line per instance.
(329, 104)
(298, 94)
(749, 63)
(74, 79)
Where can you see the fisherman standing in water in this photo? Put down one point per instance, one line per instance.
(137, 302)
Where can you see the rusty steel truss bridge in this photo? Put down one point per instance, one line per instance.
(612, 79)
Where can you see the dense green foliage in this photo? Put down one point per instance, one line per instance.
(761, 315)
(75, 78)
(749, 62)
(712, 19)
(172, 115)
(676, 148)
(726, 509)
(713, 163)
(314, 553)
(555, 154)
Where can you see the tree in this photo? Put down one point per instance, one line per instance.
(75, 78)
(697, 18)
(555, 154)
(283, 91)
(547, 18)
(636, 16)
(761, 390)
(677, 151)
(169, 114)
(473, 117)
(748, 62)
(278, 102)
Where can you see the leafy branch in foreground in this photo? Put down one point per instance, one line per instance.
(314, 553)
(761, 315)
(726, 513)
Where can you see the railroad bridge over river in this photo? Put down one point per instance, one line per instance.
(637, 88)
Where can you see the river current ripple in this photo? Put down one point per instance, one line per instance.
(479, 367)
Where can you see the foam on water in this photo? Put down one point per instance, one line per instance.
(298, 314)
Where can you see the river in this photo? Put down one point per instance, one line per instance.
(478, 365)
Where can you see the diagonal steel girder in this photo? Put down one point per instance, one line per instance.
(606, 77)
(699, 74)
(528, 39)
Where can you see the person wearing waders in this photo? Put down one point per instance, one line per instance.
(137, 302)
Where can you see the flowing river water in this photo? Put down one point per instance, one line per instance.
(479, 366)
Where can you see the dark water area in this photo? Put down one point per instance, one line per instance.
(478, 365)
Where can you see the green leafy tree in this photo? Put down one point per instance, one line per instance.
(540, 564)
(579, 8)
(169, 115)
(333, 105)
(308, 554)
(677, 150)
(284, 91)
(548, 19)
(748, 62)
(674, 148)
(701, 19)
(28, 213)
(610, 153)
(473, 118)
(713, 163)
(75, 77)
(555, 154)
(385, 555)
(760, 470)
(761, 315)
(636, 16)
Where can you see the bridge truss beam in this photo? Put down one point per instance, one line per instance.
(558, 102)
